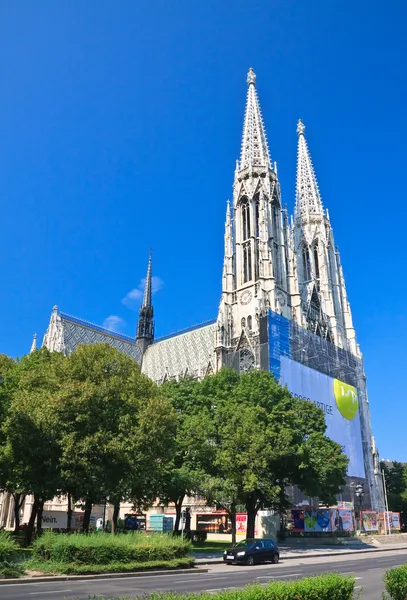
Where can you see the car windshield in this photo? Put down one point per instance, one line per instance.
(245, 544)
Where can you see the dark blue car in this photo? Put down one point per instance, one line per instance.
(250, 552)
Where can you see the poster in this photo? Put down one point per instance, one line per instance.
(317, 520)
(54, 519)
(341, 520)
(395, 521)
(241, 523)
(338, 400)
(297, 520)
(213, 523)
(134, 522)
(370, 521)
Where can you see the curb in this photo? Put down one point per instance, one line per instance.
(52, 578)
(316, 555)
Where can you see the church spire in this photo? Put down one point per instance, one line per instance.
(308, 199)
(34, 343)
(255, 151)
(145, 326)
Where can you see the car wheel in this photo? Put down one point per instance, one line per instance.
(275, 559)
(250, 561)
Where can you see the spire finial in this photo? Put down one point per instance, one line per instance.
(251, 77)
(300, 127)
(55, 308)
(34, 343)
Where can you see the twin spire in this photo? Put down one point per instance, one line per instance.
(255, 152)
(308, 199)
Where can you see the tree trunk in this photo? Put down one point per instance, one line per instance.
(116, 511)
(31, 522)
(232, 515)
(39, 516)
(69, 513)
(178, 511)
(18, 502)
(251, 515)
(86, 516)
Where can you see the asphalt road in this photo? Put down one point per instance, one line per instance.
(368, 570)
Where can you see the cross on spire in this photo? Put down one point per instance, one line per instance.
(308, 198)
(255, 151)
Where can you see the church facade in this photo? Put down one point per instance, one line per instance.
(283, 300)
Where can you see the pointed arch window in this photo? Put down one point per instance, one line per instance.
(245, 219)
(257, 214)
(243, 322)
(249, 322)
(306, 263)
(247, 262)
(316, 262)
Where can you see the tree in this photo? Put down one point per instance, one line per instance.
(116, 429)
(396, 487)
(30, 451)
(185, 469)
(266, 440)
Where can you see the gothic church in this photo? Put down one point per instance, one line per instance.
(271, 262)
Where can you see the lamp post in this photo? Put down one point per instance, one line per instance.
(359, 494)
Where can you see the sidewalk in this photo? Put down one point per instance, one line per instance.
(287, 553)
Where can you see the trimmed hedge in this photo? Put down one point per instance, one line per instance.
(8, 557)
(56, 568)
(395, 581)
(102, 548)
(322, 587)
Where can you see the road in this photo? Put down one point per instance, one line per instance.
(367, 568)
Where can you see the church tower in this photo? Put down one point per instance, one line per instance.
(145, 326)
(324, 302)
(258, 268)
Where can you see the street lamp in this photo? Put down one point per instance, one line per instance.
(359, 494)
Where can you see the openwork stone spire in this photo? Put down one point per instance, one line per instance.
(34, 343)
(255, 151)
(145, 327)
(308, 199)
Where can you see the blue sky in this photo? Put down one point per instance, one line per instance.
(120, 127)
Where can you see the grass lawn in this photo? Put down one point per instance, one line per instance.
(210, 546)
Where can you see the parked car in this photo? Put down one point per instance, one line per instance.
(252, 551)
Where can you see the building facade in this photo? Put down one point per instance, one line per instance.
(283, 297)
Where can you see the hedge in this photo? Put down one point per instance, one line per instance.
(60, 568)
(8, 557)
(102, 549)
(395, 582)
(322, 587)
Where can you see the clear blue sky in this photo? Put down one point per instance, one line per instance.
(120, 127)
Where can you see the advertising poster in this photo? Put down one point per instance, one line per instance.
(241, 523)
(297, 520)
(370, 521)
(317, 520)
(341, 520)
(347, 505)
(395, 521)
(135, 522)
(54, 519)
(213, 523)
(338, 400)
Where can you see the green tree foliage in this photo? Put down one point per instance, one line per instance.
(192, 452)
(396, 486)
(30, 451)
(266, 440)
(116, 429)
